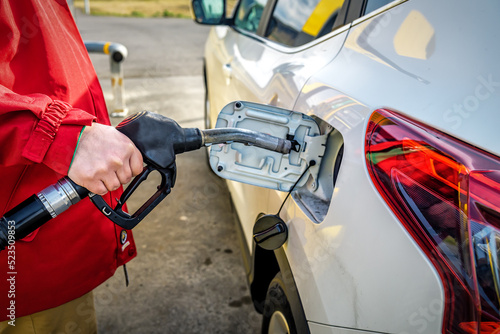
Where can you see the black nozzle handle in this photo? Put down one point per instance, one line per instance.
(159, 138)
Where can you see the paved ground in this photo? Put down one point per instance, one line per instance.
(188, 276)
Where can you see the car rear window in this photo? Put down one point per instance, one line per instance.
(296, 22)
(248, 14)
(372, 5)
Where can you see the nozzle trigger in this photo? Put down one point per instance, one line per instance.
(122, 218)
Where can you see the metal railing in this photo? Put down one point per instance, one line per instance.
(117, 54)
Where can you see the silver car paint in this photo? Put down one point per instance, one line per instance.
(359, 268)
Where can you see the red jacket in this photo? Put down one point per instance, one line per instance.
(48, 92)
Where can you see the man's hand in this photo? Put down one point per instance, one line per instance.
(105, 159)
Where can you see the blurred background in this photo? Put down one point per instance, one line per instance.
(138, 8)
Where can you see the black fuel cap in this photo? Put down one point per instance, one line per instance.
(270, 232)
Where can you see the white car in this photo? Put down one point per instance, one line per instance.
(397, 230)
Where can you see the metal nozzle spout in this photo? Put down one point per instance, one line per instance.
(249, 137)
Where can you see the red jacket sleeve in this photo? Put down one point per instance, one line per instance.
(36, 129)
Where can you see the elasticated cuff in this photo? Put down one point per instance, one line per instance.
(56, 135)
(45, 131)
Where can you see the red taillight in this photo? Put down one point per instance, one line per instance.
(447, 195)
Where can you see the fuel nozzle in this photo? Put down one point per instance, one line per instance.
(159, 139)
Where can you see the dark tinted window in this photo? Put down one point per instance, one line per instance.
(248, 14)
(296, 22)
(372, 5)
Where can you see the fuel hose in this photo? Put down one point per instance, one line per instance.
(38, 209)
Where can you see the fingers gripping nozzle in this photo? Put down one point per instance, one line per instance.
(159, 139)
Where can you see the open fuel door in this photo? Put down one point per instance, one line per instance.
(261, 167)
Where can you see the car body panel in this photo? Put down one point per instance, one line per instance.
(276, 86)
(323, 329)
(359, 268)
(335, 253)
(453, 94)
